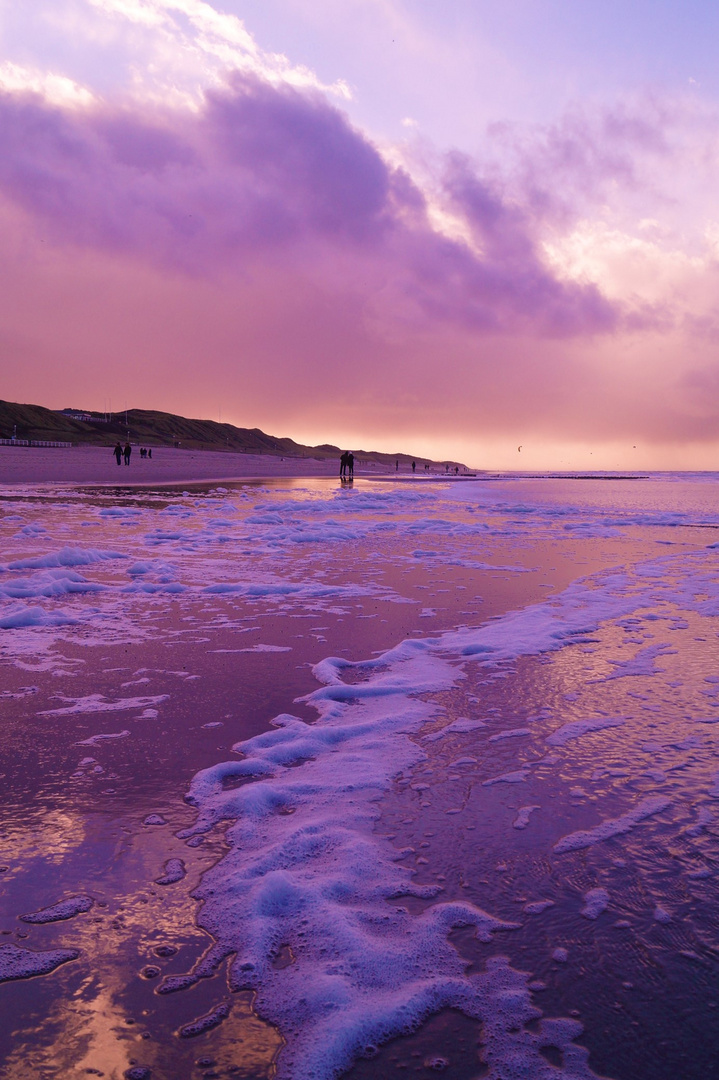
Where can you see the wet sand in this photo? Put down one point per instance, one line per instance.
(87, 835)
(69, 831)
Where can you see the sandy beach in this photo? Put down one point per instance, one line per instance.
(96, 464)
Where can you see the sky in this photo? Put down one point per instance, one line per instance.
(453, 229)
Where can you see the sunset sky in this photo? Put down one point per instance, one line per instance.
(454, 229)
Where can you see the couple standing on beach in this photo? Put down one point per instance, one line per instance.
(120, 453)
(347, 465)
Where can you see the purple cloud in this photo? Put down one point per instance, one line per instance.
(262, 171)
(261, 251)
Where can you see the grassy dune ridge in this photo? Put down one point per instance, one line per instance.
(152, 428)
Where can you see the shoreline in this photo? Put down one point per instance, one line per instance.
(96, 465)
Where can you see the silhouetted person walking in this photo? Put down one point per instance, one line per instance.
(414, 466)
(127, 451)
(343, 464)
(396, 465)
(351, 464)
(118, 453)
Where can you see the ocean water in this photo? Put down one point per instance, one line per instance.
(306, 781)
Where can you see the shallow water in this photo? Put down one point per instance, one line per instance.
(146, 616)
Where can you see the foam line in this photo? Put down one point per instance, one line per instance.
(307, 874)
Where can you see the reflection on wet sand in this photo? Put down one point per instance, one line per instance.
(216, 606)
(103, 1015)
(50, 836)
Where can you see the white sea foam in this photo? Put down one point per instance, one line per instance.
(20, 963)
(461, 726)
(95, 739)
(206, 1022)
(576, 728)
(151, 588)
(68, 556)
(58, 582)
(64, 909)
(595, 902)
(119, 512)
(298, 590)
(517, 776)
(266, 648)
(646, 808)
(20, 615)
(306, 871)
(536, 907)
(511, 733)
(523, 814)
(704, 818)
(173, 871)
(642, 663)
(98, 703)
